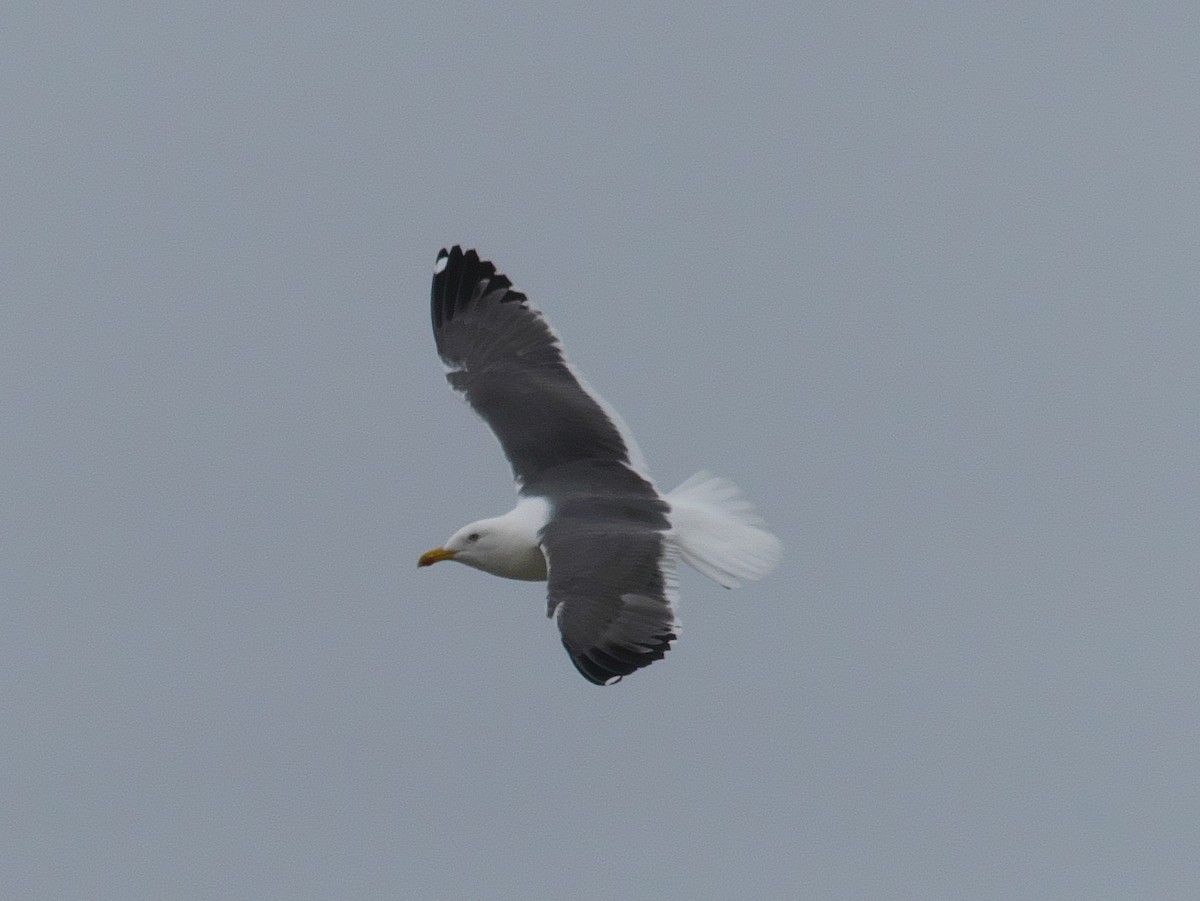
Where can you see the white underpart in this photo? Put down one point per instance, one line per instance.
(670, 576)
(718, 532)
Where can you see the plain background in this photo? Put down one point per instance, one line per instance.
(922, 278)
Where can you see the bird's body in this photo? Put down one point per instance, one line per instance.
(588, 519)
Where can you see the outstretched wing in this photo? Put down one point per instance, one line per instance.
(505, 361)
(612, 585)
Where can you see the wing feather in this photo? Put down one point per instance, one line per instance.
(612, 586)
(506, 362)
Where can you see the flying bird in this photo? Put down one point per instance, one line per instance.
(588, 520)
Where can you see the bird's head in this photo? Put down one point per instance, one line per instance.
(468, 545)
(504, 546)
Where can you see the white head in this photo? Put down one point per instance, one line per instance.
(503, 546)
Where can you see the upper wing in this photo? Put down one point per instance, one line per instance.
(505, 361)
(612, 585)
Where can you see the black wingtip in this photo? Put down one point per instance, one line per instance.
(457, 273)
(608, 666)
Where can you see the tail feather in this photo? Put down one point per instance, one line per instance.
(719, 533)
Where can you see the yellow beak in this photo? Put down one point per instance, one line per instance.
(436, 555)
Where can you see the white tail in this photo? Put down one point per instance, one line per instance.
(718, 531)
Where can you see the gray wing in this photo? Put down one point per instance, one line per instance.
(505, 361)
(612, 584)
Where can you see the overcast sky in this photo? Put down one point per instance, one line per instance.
(922, 279)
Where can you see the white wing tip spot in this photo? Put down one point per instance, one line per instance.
(440, 265)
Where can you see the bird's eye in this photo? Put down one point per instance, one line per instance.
(474, 536)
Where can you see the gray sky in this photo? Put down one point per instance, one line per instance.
(922, 280)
